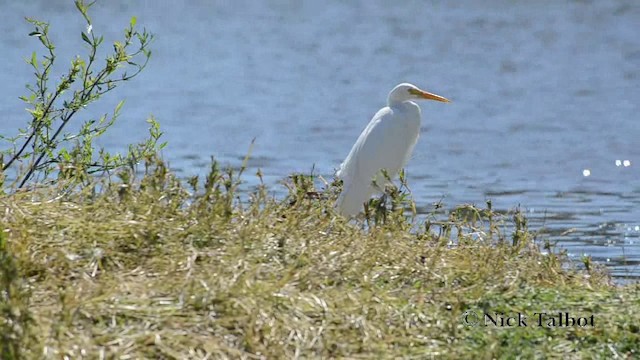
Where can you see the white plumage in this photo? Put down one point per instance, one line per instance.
(386, 143)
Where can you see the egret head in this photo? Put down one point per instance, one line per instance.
(406, 91)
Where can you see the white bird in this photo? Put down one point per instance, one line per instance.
(386, 143)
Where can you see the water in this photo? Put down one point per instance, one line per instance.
(543, 93)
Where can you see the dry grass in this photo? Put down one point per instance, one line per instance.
(152, 271)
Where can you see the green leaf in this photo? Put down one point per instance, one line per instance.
(86, 38)
(118, 107)
(34, 60)
(80, 6)
(133, 21)
(65, 155)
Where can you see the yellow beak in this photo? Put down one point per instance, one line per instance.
(428, 95)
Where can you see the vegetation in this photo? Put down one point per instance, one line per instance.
(139, 264)
(39, 150)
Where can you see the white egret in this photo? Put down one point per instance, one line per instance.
(386, 143)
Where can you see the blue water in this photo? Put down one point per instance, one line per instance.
(542, 91)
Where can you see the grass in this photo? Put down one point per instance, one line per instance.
(150, 268)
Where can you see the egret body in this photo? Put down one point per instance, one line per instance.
(386, 143)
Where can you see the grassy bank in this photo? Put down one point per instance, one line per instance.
(155, 268)
(151, 269)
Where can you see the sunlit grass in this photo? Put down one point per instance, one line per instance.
(150, 268)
